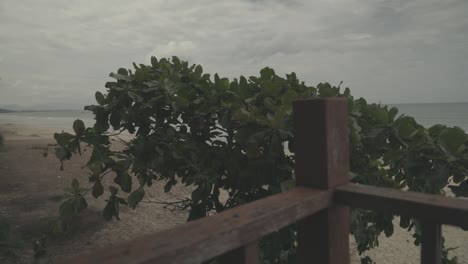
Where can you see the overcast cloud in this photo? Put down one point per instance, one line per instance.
(61, 52)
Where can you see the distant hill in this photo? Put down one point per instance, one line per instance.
(5, 111)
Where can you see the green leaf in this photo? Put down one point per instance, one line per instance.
(78, 127)
(98, 189)
(404, 222)
(198, 70)
(126, 182)
(109, 210)
(272, 89)
(452, 138)
(461, 190)
(388, 230)
(102, 122)
(241, 115)
(62, 154)
(267, 73)
(154, 62)
(392, 113)
(381, 115)
(135, 97)
(197, 211)
(122, 71)
(181, 101)
(175, 60)
(169, 184)
(366, 260)
(407, 127)
(197, 194)
(270, 104)
(115, 119)
(100, 98)
(119, 76)
(140, 75)
(121, 201)
(135, 197)
(113, 190)
(347, 92)
(63, 139)
(326, 90)
(67, 209)
(80, 204)
(252, 150)
(224, 84)
(435, 130)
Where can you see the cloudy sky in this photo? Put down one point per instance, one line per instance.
(58, 53)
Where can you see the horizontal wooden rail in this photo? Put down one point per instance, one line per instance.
(209, 237)
(433, 208)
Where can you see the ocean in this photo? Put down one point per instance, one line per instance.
(451, 114)
(48, 119)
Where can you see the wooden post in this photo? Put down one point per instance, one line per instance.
(322, 161)
(431, 246)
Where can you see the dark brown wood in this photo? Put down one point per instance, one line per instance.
(434, 208)
(321, 148)
(322, 161)
(431, 247)
(248, 254)
(206, 238)
(328, 231)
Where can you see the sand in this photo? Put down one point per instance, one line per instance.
(28, 181)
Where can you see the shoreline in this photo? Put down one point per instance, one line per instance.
(12, 131)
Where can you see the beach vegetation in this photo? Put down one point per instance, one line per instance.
(216, 135)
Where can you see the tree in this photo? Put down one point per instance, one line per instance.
(216, 134)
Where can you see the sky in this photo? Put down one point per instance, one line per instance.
(57, 53)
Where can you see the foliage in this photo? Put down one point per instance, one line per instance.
(73, 204)
(216, 134)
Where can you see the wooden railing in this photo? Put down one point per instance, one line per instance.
(319, 204)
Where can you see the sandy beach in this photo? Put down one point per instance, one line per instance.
(29, 180)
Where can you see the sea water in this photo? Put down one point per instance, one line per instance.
(450, 114)
(48, 119)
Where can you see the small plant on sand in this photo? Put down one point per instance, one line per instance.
(236, 136)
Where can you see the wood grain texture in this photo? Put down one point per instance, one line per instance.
(209, 237)
(322, 161)
(322, 147)
(433, 208)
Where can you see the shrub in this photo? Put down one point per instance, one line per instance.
(215, 134)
